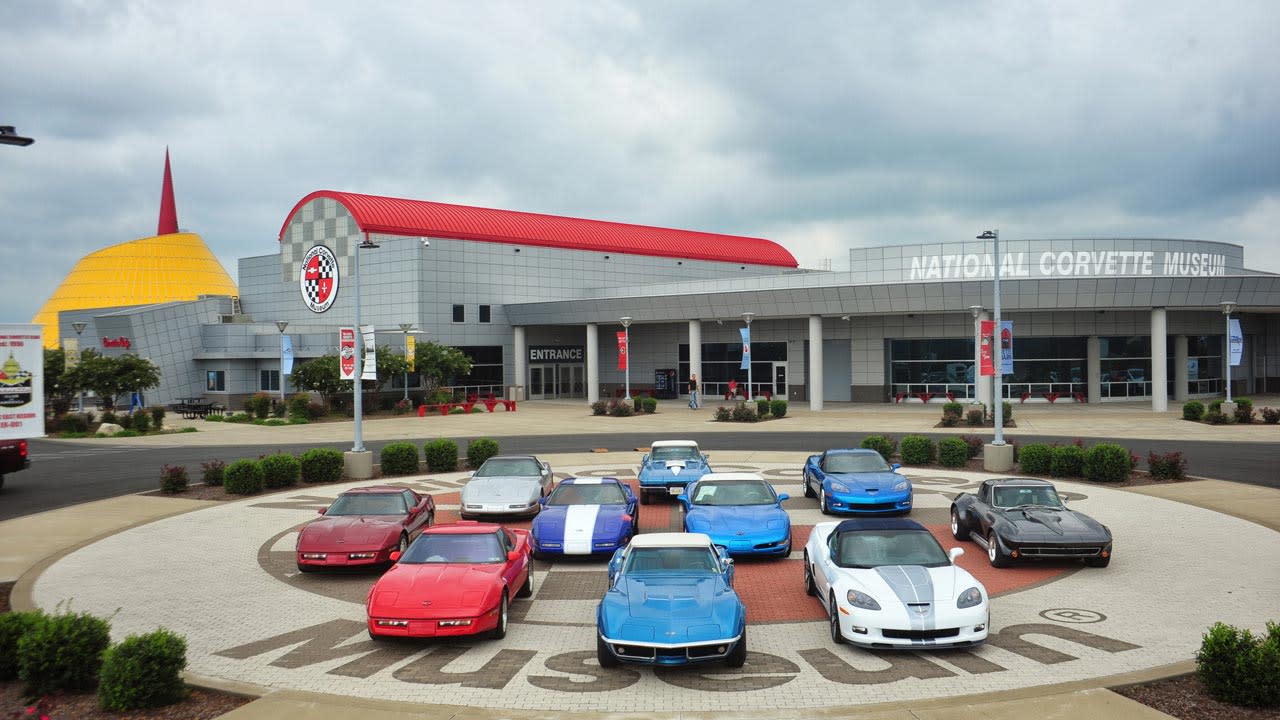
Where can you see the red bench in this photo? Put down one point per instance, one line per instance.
(1052, 397)
(491, 403)
(924, 396)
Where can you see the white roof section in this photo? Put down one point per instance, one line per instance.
(726, 476)
(674, 443)
(661, 540)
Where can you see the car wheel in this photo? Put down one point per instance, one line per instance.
(810, 587)
(822, 501)
(834, 613)
(1098, 562)
(808, 491)
(605, 656)
(959, 530)
(994, 553)
(738, 655)
(526, 590)
(500, 630)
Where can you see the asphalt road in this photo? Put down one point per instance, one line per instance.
(72, 472)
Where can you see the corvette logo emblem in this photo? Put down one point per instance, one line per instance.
(426, 603)
(319, 279)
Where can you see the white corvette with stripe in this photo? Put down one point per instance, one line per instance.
(585, 516)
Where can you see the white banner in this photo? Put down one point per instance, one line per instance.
(21, 382)
(369, 368)
(286, 356)
(1235, 341)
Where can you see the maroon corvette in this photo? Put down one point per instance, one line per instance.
(455, 579)
(363, 527)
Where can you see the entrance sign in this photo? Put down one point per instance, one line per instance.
(21, 382)
(562, 353)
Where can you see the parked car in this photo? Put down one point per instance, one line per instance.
(1025, 519)
(507, 485)
(585, 516)
(856, 481)
(669, 466)
(455, 579)
(887, 583)
(671, 602)
(740, 512)
(363, 527)
(13, 457)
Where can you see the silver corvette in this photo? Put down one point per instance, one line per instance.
(507, 485)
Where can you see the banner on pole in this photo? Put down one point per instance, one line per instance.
(411, 347)
(622, 350)
(21, 382)
(286, 356)
(1236, 342)
(746, 348)
(369, 366)
(347, 353)
(70, 352)
(1006, 347)
(986, 360)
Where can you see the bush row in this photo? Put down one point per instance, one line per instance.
(760, 409)
(1104, 462)
(1196, 411)
(441, 455)
(1238, 668)
(974, 416)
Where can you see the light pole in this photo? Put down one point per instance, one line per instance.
(626, 340)
(358, 385)
(1228, 307)
(282, 324)
(79, 328)
(746, 318)
(998, 456)
(977, 348)
(405, 328)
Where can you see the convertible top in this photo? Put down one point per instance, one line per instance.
(661, 540)
(674, 443)
(859, 524)
(729, 476)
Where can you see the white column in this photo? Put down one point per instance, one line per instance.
(983, 382)
(522, 358)
(593, 363)
(695, 352)
(1093, 351)
(1180, 379)
(1159, 360)
(815, 363)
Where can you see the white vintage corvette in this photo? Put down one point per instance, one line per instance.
(887, 583)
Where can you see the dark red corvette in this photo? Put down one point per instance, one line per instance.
(455, 579)
(363, 527)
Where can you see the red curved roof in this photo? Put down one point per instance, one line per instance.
(397, 216)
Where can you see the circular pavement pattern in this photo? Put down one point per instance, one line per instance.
(224, 577)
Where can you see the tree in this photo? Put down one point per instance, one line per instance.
(110, 377)
(433, 361)
(320, 375)
(437, 363)
(58, 389)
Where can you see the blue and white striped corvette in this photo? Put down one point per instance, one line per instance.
(585, 516)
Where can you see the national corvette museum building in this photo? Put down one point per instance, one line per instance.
(536, 302)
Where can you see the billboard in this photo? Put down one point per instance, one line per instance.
(21, 382)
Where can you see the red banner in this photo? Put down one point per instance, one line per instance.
(347, 353)
(622, 350)
(986, 359)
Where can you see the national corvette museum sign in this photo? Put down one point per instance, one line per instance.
(1068, 263)
(319, 279)
(21, 382)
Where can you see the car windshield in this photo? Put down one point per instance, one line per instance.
(678, 559)
(733, 492)
(454, 548)
(368, 504)
(506, 467)
(1027, 495)
(869, 549)
(681, 452)
(855, 463)
(574, 494)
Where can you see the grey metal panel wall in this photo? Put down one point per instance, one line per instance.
(837, 371)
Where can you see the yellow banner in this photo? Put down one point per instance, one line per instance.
(409, 345)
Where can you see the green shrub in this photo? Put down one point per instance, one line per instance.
(600, 407)
(173, 479)
(141, 422)
(321, 465)
(143, 671)
(188, 429)
(1270, 416)
(1167, 466)
(778, 407)
(442, 455)
(243, 477)
(214, 418)
(157, 416)
(238, 418)
(723, 414)
(762, 407)
(62, 652)
(1008, 410)
(1237, 668)
(13, 625)
(917, 450)
(953, 407)
(73, 422)
(213, 472)
(882, 444)
(299, 406)
(1193, 410)
(1215, 405)
(125, 421)
(124, 434)
(259, 405)
(975, 444)
(479, 450)
(109, 417)
(1068, 461)
(742, 412)
(650, 405)
(272, 422)
(1216, 417)
(953, 452)
(1107, 462)
(621, 408)
(1244, 410)
(280, 470)
(975, 417)
(399, 458)
(1035, 458)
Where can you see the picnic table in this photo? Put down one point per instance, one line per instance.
(192, 408)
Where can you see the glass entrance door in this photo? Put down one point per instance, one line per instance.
(542, 382)
(572, 381)
(780, 380)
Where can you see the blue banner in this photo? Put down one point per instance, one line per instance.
(746, 348)
(286, 355)
(1235, 342)
(1006, 347)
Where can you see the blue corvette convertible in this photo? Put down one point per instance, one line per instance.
(740, 512)
(857, 481)
(584, 516)
(671, 602)
(669, 466)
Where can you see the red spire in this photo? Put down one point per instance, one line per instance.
(168, 210)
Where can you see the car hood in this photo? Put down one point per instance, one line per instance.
(674, 468)
(913, 583)
(350, 531)
(405, 587)
(601, 521)
(671, 608)
(1052, 524)
(745, 519)
(868, 482)
(501, 489)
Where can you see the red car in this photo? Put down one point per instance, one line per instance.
(363, 527)
(455, 579)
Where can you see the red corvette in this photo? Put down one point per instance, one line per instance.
(455, 579)
(363, 527)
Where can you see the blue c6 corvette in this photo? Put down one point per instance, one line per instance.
(856, 481)
(740, 512)
(669, 466)
(584, 516)
(671, 602)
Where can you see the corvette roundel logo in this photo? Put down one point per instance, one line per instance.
(319, 279)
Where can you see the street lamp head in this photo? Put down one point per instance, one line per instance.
(1228, 306)
(282, 324)
(976, 310)
(625, 320)
(368, 244)
(844, 317)
(989, 235)
(746, 317)
(10, 136)
(79, 327)
(406, 327)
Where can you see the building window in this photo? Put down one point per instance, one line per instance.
(722, 362)
(270, 381)
(215, 381)
(484, 314)
(459, 314)
(485, 377)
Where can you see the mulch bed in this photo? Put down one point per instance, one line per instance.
(1185, 697)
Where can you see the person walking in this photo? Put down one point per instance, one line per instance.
(693, 392)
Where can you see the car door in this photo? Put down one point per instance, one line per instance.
(415, 521)
(825, 569)
(514, 571)
(983, 511)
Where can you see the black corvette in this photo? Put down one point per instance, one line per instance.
(1024, 519)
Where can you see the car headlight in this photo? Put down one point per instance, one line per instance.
(969, 598)
(862, 600)
(902, 486)
(839, 487)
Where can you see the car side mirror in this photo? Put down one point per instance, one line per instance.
(322, 510)
(395, 555)
(683, 500)
(895, 466)
(706, 458)
(954, 553)
(413, 511)
(513, 556)
(644, 458)
(543, 500)
(783, 496)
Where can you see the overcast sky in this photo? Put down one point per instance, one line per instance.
(822, 126)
